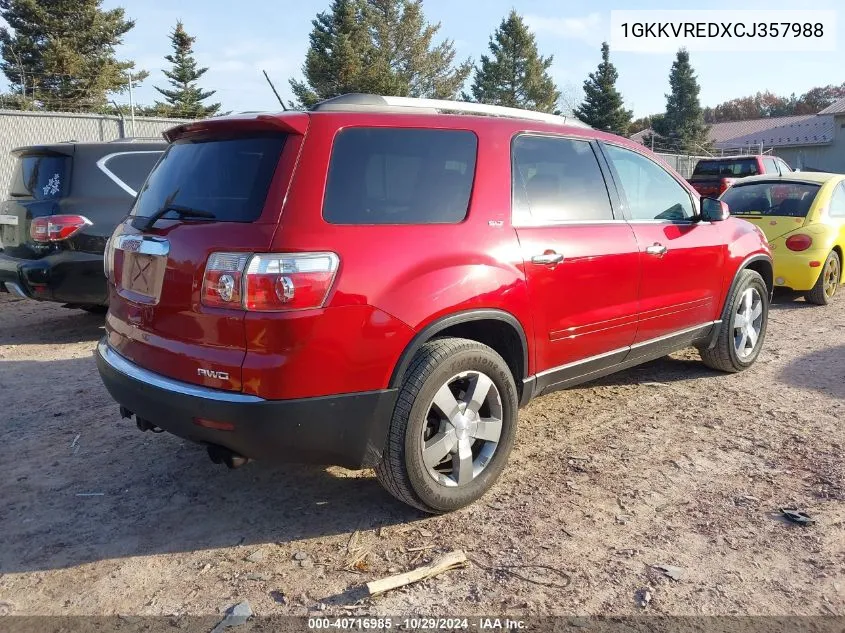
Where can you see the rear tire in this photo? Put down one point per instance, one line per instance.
(458, 399)
(743, 327)
(828, 282)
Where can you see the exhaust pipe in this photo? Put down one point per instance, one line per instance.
(222, 455)
(146, 425)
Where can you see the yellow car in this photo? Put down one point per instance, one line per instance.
(803, 217)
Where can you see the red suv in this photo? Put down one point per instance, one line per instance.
(382, 282)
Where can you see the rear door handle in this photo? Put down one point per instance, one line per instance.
(656, 249)
(547, 258)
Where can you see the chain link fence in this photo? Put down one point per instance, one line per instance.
(682, 163)
(19, 129)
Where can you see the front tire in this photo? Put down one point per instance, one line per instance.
(828, 282)
(743, 327)
(453, 426)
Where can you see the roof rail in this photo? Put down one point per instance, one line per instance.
(364, 102)
(135, 139)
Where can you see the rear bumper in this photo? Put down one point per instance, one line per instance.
(67, 277)
(793, 270)
(347, 430)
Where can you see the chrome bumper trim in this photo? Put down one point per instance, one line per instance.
(127, 368)
(15, 289)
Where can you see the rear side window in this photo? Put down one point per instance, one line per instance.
(790, 199)
(226, 177)
(771, 166)
(400, 176)
(728, 168)
(557, 180)
(131, 168)
(40, 176)
(837, 202)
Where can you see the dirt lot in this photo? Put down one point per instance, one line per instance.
(668, 463)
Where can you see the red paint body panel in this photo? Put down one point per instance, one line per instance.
(587, 304)
(680, 289)
(393, 281)
(318, 352)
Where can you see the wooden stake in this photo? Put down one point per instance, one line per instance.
(452, 560)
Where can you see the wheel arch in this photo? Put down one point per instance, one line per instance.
(837, 248)
(759, 263)
(496, 328)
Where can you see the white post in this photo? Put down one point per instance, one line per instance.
(131, 105)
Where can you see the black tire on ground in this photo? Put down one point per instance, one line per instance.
(402, 470)
(723, 356)
(820, 295)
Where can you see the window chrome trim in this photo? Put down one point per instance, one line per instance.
(133, 371)
(101, 164)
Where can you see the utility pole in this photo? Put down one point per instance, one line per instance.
(131, 105)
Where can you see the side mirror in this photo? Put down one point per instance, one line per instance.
(713, 210)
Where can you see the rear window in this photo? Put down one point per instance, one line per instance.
(729, 168)
(792, 199)
(400, 176)
(40, 176)
(228, 177)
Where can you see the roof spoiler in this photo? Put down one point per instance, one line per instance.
(291, 123)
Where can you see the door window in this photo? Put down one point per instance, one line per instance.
(651, 193)
(557, 180)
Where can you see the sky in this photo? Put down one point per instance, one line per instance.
(237, 40)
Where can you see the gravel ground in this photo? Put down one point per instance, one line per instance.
(668, 463)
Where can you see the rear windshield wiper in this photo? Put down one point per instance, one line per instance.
(146, 223)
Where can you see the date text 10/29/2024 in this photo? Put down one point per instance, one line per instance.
(417, 624)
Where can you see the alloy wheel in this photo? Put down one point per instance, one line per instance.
(748, 323)
(831, 276)
(462, 430)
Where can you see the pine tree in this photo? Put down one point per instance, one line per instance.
(339, 56)
(603, 107)
(185, 99)
(377, 46)
(682, 126)
(515, 74)
(60, 54)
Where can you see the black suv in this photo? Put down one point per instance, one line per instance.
(64, 201)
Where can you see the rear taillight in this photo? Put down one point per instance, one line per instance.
(222, 285)
(108, 258)
(288, 281)
(724, 185)
(799, 242)
(269, 281)
(55, 228)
